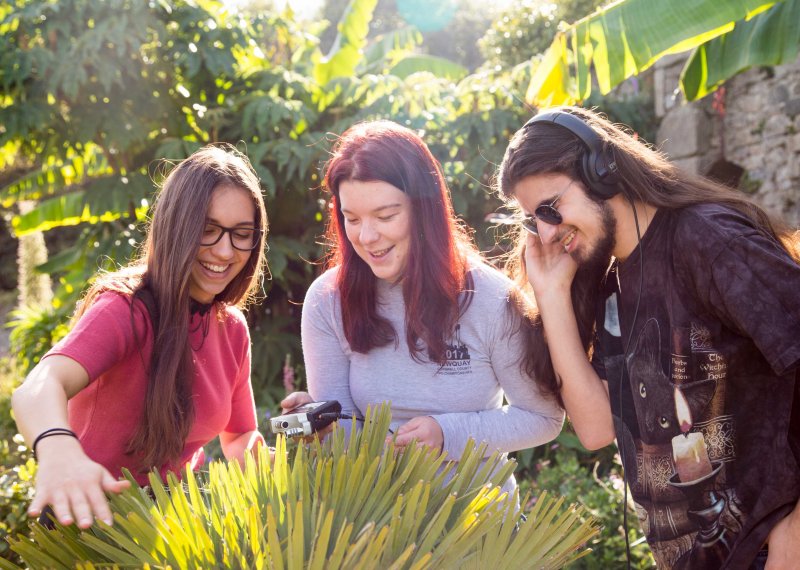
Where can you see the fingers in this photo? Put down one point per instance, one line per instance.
(532, 242)
(78, 499)
(294, 400)
(536, 246)
(61, 508)
(405, 435)
(38, 504)
(82, 509)
(408, 432)
(112, 485)
(532, 250)
(99, 506)
(81, 506)
(423, 429)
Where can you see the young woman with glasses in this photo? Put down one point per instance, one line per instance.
(409, 313)
(158, 360)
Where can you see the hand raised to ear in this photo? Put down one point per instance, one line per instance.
(548, 267)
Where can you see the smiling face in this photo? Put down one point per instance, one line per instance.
(377, 221)
(215, 266)
(588, 229)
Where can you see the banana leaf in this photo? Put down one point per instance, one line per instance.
(771, 38)
(628, 37)
(347, 50)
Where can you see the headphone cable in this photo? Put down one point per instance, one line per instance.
(343, 416)
(623, 368)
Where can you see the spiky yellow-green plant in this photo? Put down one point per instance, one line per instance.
(342, 504)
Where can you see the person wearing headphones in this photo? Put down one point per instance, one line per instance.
(685, 296)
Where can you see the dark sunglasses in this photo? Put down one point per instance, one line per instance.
(547, 213)
(243, 239)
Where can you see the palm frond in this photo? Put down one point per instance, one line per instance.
(344, 503)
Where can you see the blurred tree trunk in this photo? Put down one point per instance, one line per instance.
(34, 287)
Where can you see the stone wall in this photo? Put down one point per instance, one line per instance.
(747, 135)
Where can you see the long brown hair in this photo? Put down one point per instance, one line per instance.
(437, 263)
(645, 176)
(159, 278)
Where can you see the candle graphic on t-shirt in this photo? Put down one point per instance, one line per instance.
(688, 449)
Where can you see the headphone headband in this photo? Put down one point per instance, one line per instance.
(598, 167)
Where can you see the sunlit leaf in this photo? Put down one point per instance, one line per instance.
(437, 66)
(304, 518)
(346, 52)
(771, 38)
(626, 38)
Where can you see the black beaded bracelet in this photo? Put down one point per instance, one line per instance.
(51, 432)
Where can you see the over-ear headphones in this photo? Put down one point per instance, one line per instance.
(598, 167)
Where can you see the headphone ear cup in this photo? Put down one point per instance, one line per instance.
(598, 165)
(600, 173)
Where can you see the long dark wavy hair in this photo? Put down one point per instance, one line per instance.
(645, 176)
(436, 274)
(159, 278)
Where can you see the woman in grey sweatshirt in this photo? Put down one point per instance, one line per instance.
(409, 313)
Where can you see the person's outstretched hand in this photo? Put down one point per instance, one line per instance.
(72, 484)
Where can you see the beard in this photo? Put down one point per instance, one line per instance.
(598, 258)
(591, 273)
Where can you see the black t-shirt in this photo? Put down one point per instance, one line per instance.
(718, 327)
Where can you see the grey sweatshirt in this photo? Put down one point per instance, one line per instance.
(465, 396)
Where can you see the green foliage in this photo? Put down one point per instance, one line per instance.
(455, 38)
(446, 29)
(343, 57)
(422, 63)
(36, 329)
(627, 37)
(526, 29)
(530, 461)
(770, 38)
(634, 110)
(339, 504)
(193, 73)
(17, 470)
(518, 33)
(594, 480)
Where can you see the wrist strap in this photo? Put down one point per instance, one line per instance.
(49, 433)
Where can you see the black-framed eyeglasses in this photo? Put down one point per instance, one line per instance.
(242, 238)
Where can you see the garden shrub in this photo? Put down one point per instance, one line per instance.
(564, 474)
(17, 470)
(344, 503)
